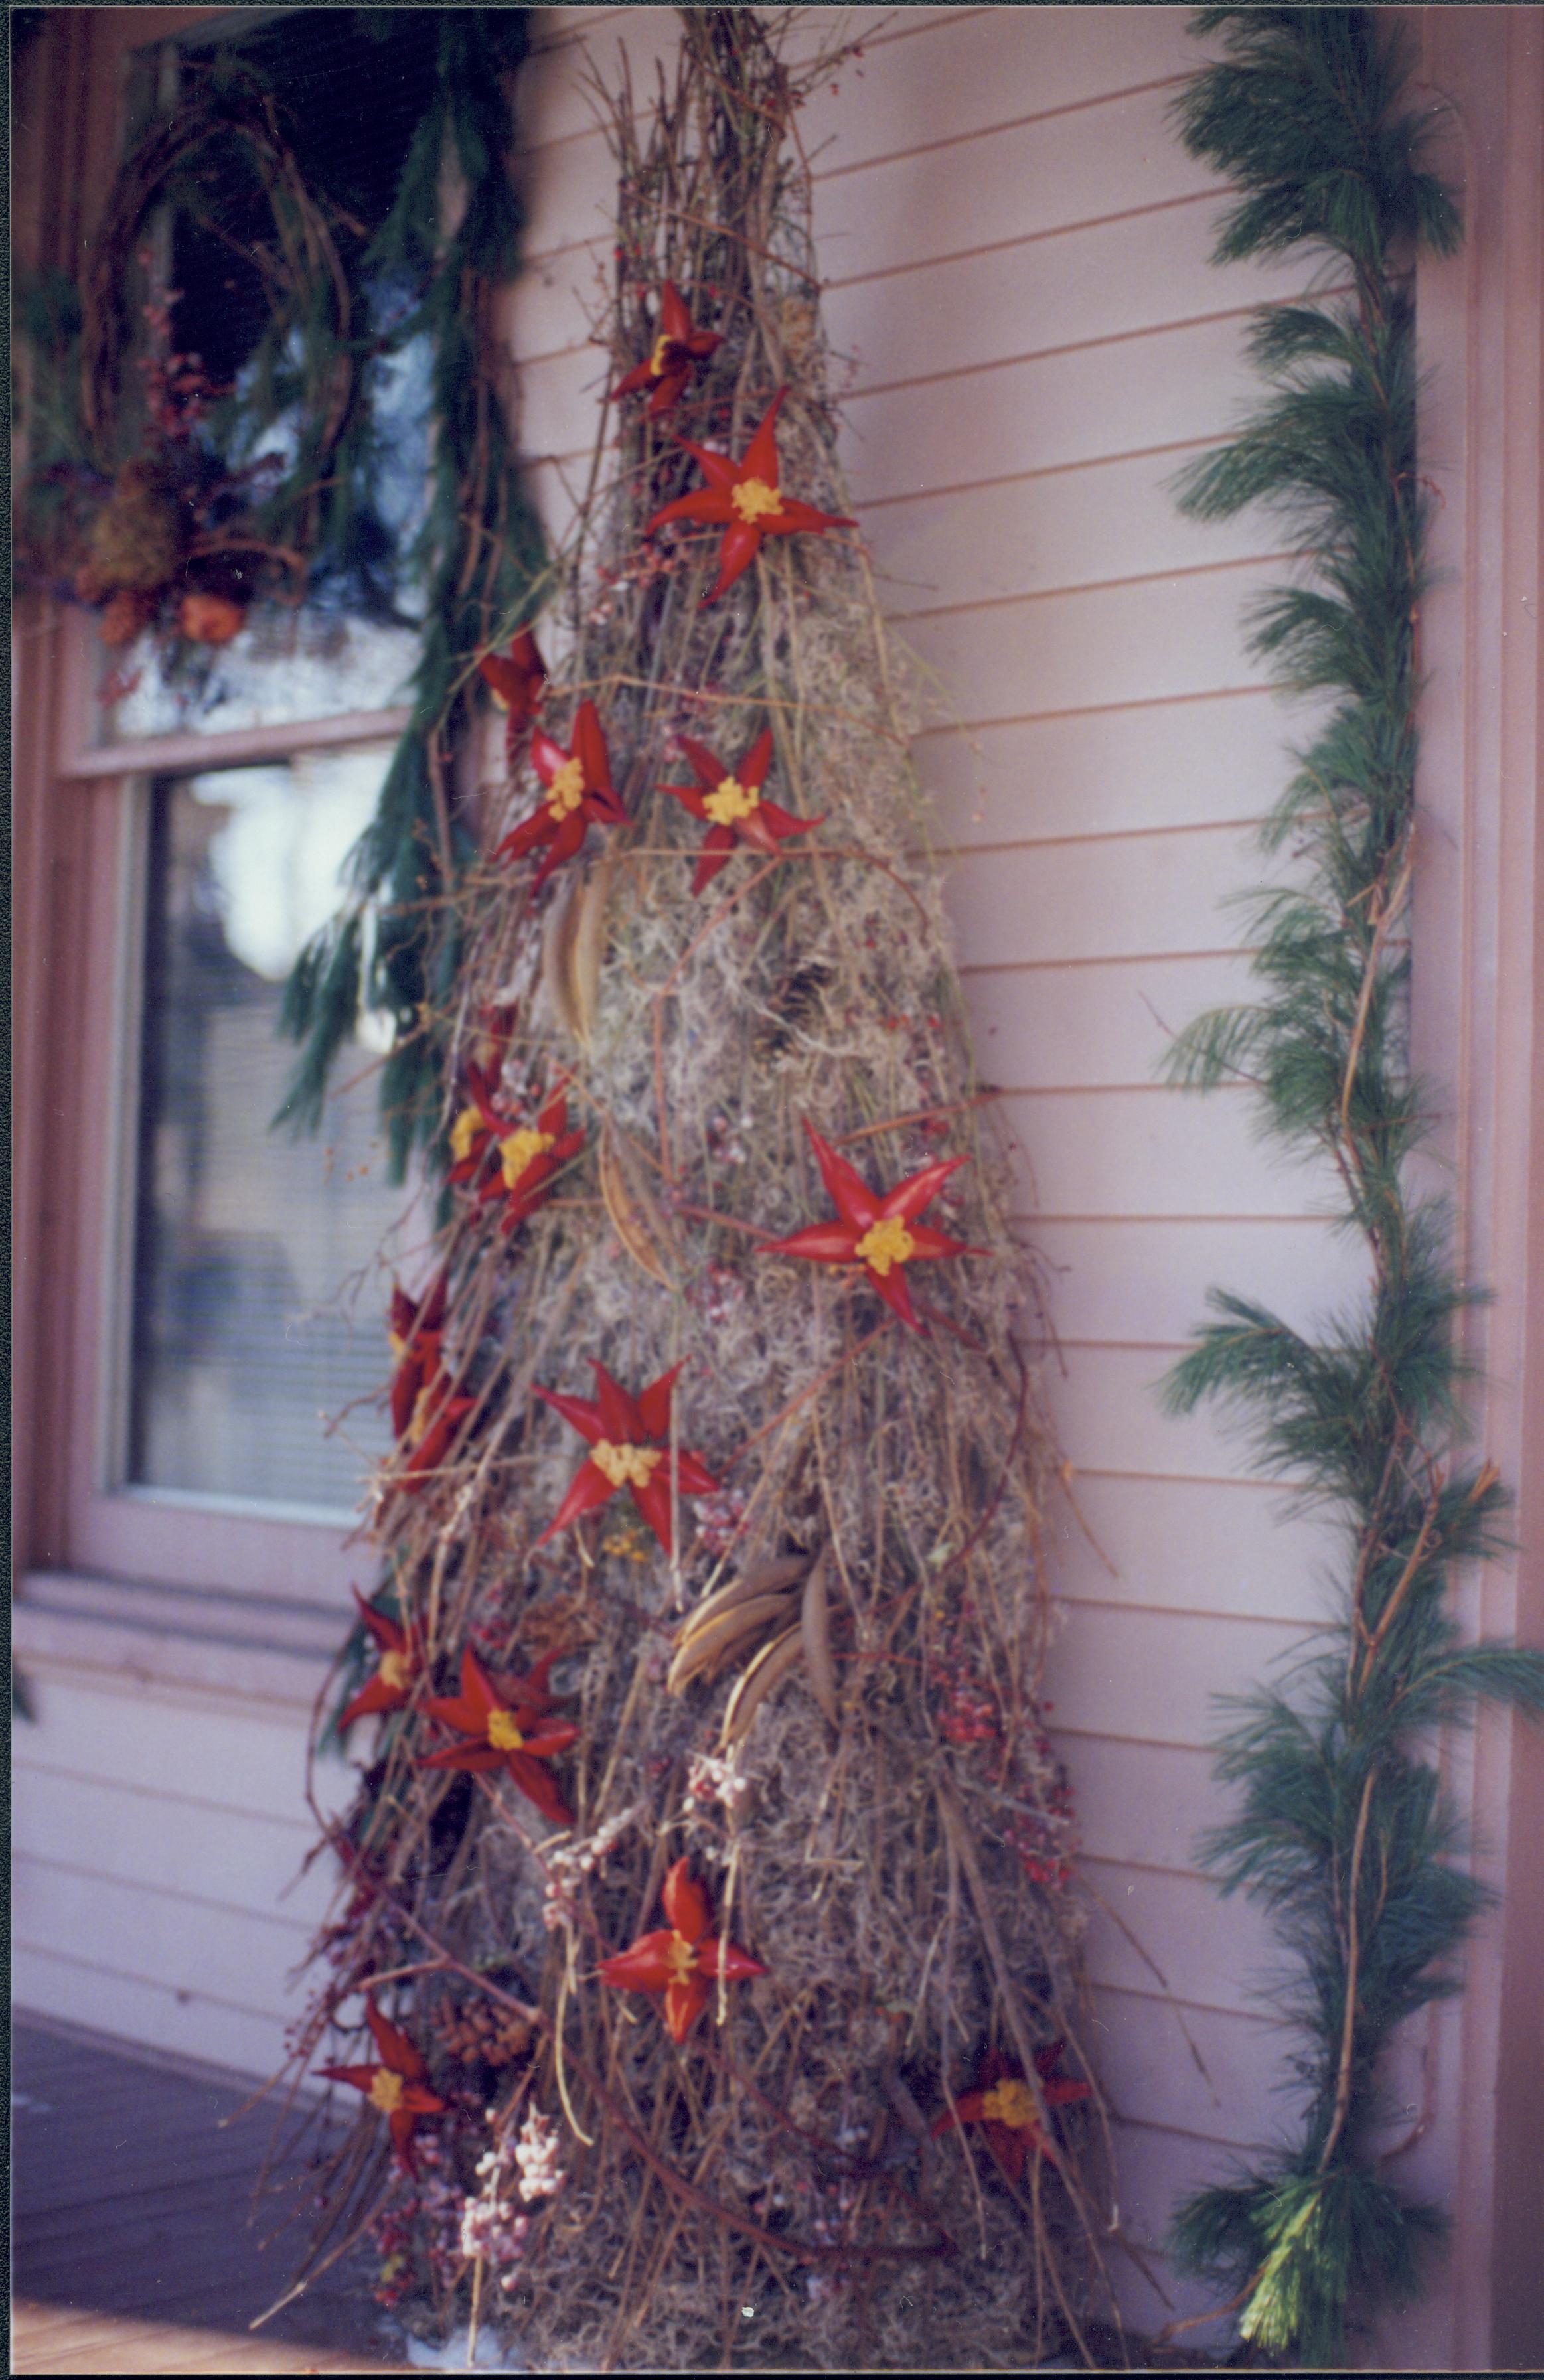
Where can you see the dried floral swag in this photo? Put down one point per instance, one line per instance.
(711, 1864)
(1341, 1830)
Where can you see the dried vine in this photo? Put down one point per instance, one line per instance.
(1343, 1832)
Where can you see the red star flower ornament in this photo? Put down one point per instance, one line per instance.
(579, 792)
(1004, 2105)
(673, 359)
(398, 2085)
(528, 1154)
(682, 1961)
(388, 1690)
(413, 1334)
(881, 1233)
(508, 1720)
(746, 500)
(516, 680)
(627, 1436)
(732, 802)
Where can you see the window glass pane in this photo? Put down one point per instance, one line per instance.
(257, 1303)
(282, 668)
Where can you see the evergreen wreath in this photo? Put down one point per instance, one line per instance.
(1341, 1832)
(707, 1939)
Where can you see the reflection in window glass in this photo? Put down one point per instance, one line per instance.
(283, 668)
(257, 1309)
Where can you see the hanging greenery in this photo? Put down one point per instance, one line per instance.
(395, 947)
(1341, 1830)
(707, 1963)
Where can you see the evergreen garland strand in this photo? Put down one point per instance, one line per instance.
(1341, 1832)
(394, 945)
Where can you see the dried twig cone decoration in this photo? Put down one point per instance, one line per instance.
(885, 1844)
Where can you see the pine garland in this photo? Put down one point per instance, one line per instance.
(1341, 1832)
(481, 552)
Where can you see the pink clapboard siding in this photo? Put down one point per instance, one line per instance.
(1017, 289)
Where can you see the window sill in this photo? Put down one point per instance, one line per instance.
(253, 1649)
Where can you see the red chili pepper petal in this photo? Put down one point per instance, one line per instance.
(759, 459)
(1008, 2147)
(675, 322)
(654, 1502)
(531, 1779)
(685, 1903)
(457, 1711)
(818, 1243)
(653, 1402)
(547, 1737)
(645, 1967)
(397, 2053)
(671, 389)
(419, 2100)
(919, 1190)
(845, 1188)
(526, 836)
(694, 1477)
(402, 2123)
(784, 822)
(478, 1757)
(742, 543)
(684, 2003)
(580, 1412)
(1061, 2091)
(386, 1633)
(723, 1959)
(588, 1491)
(709, 767)
(704, 506)
(928, 1244)
(794, 519)
(720, 471)
(691, 797)
(893, 1288)
(358, 2078)
(375, 1696)
(567, 841)
(639, 377)
(713, 857)
(620, 1417)
(590, 748)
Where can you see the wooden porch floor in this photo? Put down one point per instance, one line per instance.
(132, 2246)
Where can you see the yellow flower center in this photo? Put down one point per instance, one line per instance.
(661, 356)
(395, 1671)
(682, 1958)
(521, 1150)
(888, 1243)
(753, 499)
(1011, 2102)
(626, 1466)
(385, 2091)
(397, 1346)
(463, 1132)
(566, 790)
(730, 800)
(502, 1733)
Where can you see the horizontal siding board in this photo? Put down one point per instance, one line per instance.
(1156, 1152)
(1157, 1675)
(1180, 1545)
(1144, 1805)
(150, 1740)
(1020, 180)
(1110, 897)
(1206, 1951)
(974, 69)
(1076, 286)
(1117, 770)
(1147, 641)
(184, 2020)
(1205, 2071)
(1092, 1025)
(1152, 388)
(1148, 1279)
(1104, 521)
(243, 1958)
(175, 1845)
(1108, 1416)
